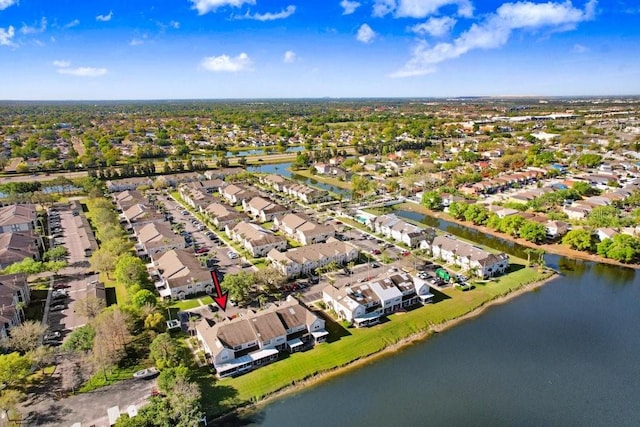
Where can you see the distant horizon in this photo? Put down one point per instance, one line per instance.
(289, 49)
(326, 98)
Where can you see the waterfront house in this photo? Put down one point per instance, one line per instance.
(471, 258)
(236, 346)
(401, 231)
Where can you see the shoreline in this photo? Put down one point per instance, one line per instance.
(417, 337)
(555, 249)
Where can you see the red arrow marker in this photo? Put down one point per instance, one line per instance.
(221, 297)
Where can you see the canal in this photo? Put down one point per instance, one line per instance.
(565, 354)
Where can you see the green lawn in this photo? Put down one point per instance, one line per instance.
(191, 303)
(352, 344)
(345, 185)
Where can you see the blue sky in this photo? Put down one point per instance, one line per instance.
(183, 49)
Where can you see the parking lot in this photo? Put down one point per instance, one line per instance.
(72, 283)
(228, 260)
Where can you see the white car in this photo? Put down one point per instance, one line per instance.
(232, 255)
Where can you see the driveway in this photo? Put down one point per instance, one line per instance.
(87, 408)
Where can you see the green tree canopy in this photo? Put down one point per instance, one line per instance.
(166, 352)
(130, 270)
(580, 239)
(143, 297)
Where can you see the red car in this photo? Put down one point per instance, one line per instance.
(405, 253)
(202, 250)
(376, 251)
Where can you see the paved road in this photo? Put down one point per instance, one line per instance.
(88, 408)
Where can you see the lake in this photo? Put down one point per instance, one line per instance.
(565, 354)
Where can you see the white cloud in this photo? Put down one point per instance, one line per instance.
(6, 3)
(283, 14)
(61, 64)
(6, 36)
(83, 71)
(419, 8)
(206, 6)
(225, 63)
(175, 25)
(436, 27)
(495, 31)
(105, 18)
(72, 24)
(26, 29)
(579, 48)
(136, 42)
(289, 57)
(383, 7)
(349, 6)
(365, 34)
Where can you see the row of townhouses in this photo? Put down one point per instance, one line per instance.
(240, 345)
(302, 261)
(18, 239)
(303, 229)
(471, 258)
(301, 192)
(401, 231)
(256, 239)
(262, 209)
(177, 274)
(363, 304)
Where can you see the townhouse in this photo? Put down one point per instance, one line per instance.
(303, 229)
(235, 194)
(365, 303)
(128, 184)
(245, 343)
(308, 194)
(262, 209)
(471, 258)
(401, 231)
(140, 214)
(306, 259)
(18, 218)
(222, 216)
(14, 296)
(196, 198)
(255, 239)
(156, 237)
(127, 198)
(178, 274)
(15, 247)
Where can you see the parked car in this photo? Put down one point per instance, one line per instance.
(57, 307)
(376, 251)
(202, 250)
(146, 373)
(55, 335)
(232, 255)
(212, 307)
